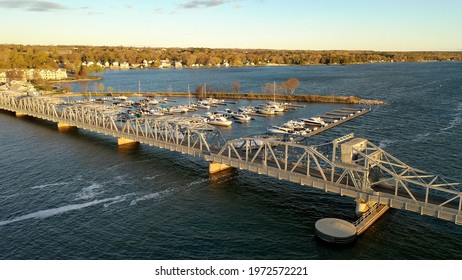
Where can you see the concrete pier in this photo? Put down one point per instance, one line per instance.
(368, 218)
(64, 125)
(217, 167)
(124, 141)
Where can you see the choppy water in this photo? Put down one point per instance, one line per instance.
(76, 195)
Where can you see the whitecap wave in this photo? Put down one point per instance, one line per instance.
(42, 214)
(456, 120)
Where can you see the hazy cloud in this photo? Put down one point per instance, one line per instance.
(202, 4)
(237, 6)
(30, 5)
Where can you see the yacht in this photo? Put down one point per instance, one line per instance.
(219, 120)
(179, 109)
(281, 129)
(315, 121)
(266, 110)
(240, 117)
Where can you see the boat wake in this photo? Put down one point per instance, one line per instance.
(50, 185)
(122, 199)
(384, 143)
(421, 137)
(457, 119)
(89, 192)
(42, 214)
(153, 177)
(151, 196)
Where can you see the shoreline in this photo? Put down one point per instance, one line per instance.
(77, 81)
(309, 98)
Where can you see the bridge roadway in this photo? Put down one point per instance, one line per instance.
(347, 166)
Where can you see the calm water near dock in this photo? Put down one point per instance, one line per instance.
(76, 195)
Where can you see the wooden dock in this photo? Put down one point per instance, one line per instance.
(339, 120)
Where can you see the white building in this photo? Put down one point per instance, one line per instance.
(178, 64)
(165, 63)
(125, 65)
(59, 74)
(3, 77)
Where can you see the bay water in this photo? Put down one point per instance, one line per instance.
(77, 195)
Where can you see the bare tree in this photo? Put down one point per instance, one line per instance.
(292, 85)
(236, 86)
(84, 87)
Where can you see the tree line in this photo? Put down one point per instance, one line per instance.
(71, 57)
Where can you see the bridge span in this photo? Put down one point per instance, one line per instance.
(348, 166)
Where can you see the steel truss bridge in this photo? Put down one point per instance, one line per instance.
(347, 166)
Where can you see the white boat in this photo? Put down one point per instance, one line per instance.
(178, 109)
(247, 109)
(273, 104)
(266, 110)
(218, 120)
(242, 117)
(120, 97)
(275, 107)
(281, 129)
(202, 105)
(315, 121)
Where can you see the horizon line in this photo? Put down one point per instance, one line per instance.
(226, 48)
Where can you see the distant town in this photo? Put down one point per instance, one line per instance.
(44, 63)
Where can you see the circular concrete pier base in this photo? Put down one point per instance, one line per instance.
(336, 231)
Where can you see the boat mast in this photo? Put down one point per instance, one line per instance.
(189, 96)
(274, 92)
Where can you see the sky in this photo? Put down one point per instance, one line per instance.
(380, 25)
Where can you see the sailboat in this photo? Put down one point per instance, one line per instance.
(276, 107)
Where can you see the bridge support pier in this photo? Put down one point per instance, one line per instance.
(64, 125)
(217, 167)
(361, 207)
(124, 141)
